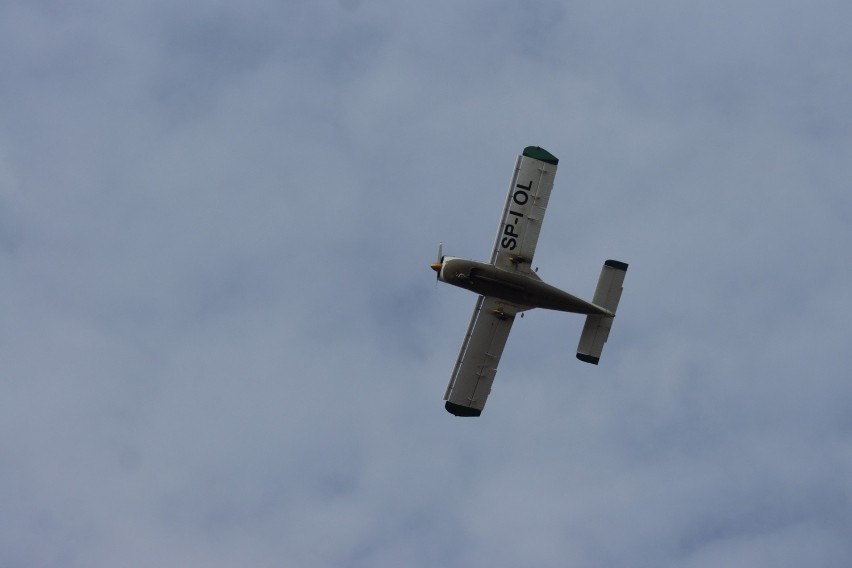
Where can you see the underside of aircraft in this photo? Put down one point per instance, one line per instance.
(507, 286)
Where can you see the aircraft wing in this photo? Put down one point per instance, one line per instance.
(526, 203)
(480, 353)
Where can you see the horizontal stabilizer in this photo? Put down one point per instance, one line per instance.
(607, 295)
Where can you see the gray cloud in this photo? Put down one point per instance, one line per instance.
(221, 344)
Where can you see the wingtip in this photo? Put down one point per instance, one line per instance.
(617, 264)
(539, 153)
(460, 410)
(588, 358)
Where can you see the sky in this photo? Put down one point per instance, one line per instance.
(221, 343)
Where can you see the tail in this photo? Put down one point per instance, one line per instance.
(607, 295)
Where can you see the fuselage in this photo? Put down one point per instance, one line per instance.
(515, 287)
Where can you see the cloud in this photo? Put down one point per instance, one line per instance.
(221, 343)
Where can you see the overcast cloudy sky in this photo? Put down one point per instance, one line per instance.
(221, 343)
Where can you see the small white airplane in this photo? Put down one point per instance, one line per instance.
(507, 286)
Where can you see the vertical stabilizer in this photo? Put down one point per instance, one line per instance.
(607, 295)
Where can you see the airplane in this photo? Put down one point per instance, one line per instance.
(507, 286)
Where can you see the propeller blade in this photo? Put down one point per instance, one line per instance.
(436, 266)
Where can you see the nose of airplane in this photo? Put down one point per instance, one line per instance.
(436, 266)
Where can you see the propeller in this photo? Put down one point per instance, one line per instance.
(436, 266)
